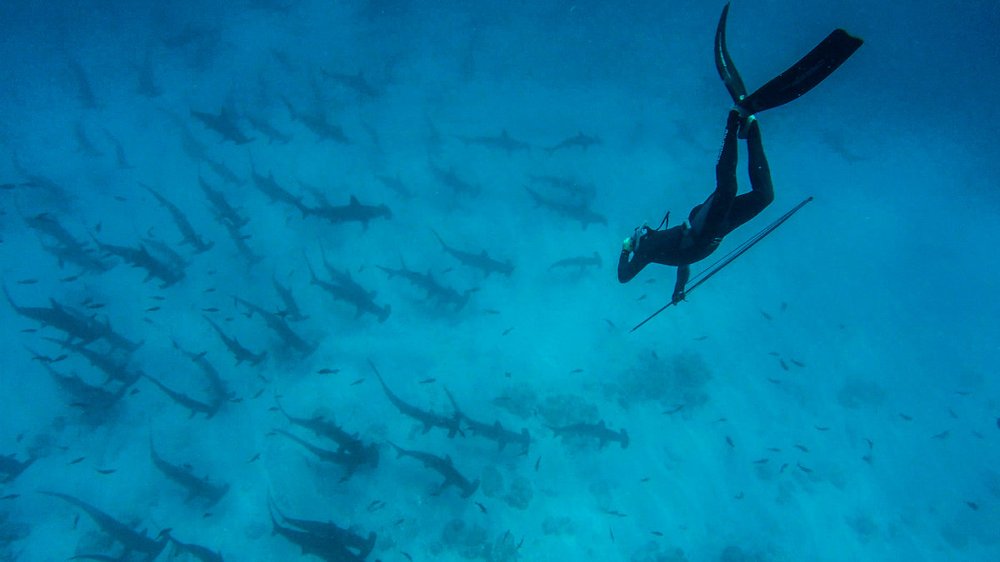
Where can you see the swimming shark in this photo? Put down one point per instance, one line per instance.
(131, 541)
(193, 405)
(11, 468)
(196, 486)
(224, 124)
(503, 141)
(581, 262)
(578, 211)
(426, 418)
(330, 531)
(578, 140)
(597, 431)
(434, 289)
(278, 325)
(481, 261)
(356, 82)
(318, 124)
(239, 352)
(443, 466)
(354, 211)
(495, 432)
(345, 289)
(183, 224)
(221, 208)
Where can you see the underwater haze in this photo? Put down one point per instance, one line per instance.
(336, 280)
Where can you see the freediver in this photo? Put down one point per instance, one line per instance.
(724, 210)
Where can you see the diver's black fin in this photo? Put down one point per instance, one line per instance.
(805, 74)
(724, 63)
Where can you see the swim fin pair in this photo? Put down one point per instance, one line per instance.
(801, 77)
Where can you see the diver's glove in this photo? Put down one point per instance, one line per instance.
(678, 296)
(631, 244)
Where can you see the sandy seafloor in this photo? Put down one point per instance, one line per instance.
(832, 395)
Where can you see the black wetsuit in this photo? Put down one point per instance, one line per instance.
(709, 222)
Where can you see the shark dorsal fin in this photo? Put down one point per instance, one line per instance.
(354, 201)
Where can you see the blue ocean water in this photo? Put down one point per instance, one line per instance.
(248, 305)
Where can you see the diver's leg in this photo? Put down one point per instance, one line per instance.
(709, 218)
(749, 205)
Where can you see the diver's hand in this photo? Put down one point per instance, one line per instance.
(678, 296)
(628, 245)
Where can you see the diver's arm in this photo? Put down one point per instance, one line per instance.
(683, 273)
(628, 268)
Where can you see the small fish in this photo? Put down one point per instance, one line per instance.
(805, 469)
(610, 324)
(11, 497)
(158, 298)
(822, 428)
(520, 542)
(210, 290)
(538, 462)
(773, 381)
(701, 338)
(327, 371)
(656, 533)
(118, 198)
(254, 458)
(107, 470)
(784, 306)
(134, 392)
(729, 442)
(642, 298)
(491, 311)
(972, 505)
(481, 507)
(406, 555)
(70, 279)
(272, 409)
(30, 281)
(611, 534)
(906, 417)
(206, 515)
(77, 460)
(644, 479)
(76, 521)
(152, 309)
(427, 381)
(507, 331)
(614, 512)
(774, 354)
(674, 410)
(761, 461)
(236, 400)
(375, 505)
(29, 330)
(942, 435)
(95, 305)
(802, 448)
(797, 363)
(576, 371)
(766, 315)
(783, 467)
(210, 309)
(399, 522)
(783, 364)
(258, 393)
(357, 382)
